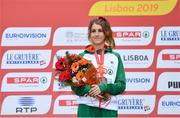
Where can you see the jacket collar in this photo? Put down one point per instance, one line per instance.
(91, 49)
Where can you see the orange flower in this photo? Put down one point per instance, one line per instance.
(75, 70)
(79, 75)
(75, 66)
(83, 62)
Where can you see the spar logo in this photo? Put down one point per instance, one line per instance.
(68, 103)
(133, 35)
(136, 58)
(26, 104)
(168, 36)
(26, 81)
(136, 104)
(169, 58)
(23, 80)
(65, 104)
(26, 36)
(26, 59)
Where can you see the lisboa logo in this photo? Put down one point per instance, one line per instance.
(146, 34)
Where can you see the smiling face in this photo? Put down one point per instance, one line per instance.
(100, 33)
(97, 35)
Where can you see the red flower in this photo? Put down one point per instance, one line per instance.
(74, 67)
(60, 64)
(68, 67)
(65, 76)
(73, 56)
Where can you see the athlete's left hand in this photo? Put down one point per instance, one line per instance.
(94, 91)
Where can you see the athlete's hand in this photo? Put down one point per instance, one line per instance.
(94, 91)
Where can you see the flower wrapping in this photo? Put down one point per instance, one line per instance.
(74, 70)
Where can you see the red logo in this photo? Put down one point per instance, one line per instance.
(170, 56)
(127, 34)
(68, 103)
(42, 62)
(146, 108)
(23, 80)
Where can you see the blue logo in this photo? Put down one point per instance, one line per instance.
(129, 104)
(138, 80)
(28, 58)
(172, 35)
(26, 101)
(26, 105)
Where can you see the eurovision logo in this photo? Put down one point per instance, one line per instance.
(139, 81)
(26, 36)
(169, 104)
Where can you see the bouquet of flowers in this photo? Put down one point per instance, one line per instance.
(74, 70)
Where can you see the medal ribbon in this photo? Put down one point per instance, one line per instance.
(100, 62)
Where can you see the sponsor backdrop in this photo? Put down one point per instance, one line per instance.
(34, 32)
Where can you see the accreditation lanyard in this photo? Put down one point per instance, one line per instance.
(100, 62)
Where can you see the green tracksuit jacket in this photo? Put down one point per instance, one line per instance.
(115, 83)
